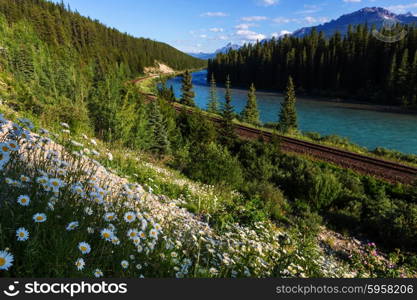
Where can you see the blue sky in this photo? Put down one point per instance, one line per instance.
(206, 25)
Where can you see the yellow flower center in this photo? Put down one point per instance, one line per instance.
(55, 183)
(5, 148)
(2, 261)
(83, 248)
(21, 234)
(110, 217)
(132, 234)
(39, 218)
(12, 146)
(129, 217)
(106, 235)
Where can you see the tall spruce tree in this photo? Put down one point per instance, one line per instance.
(213, 104)
(187, 97)
(160, 143)
(228, 113)
(288, 113)
(250, 114)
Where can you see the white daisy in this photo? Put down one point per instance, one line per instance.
(4, 159)
(130, 217)
(84, 247)
(13, 145)
(88, 211)
(6, 260)
(23, 200)
(22, 234)
(98, 273)
(39, 218)
(153, 233)
(115, 240)
(106, 234)
(80, 264)
(4, 147)
(72, 226)
(124, 264)
(109, 217)
(132, 233)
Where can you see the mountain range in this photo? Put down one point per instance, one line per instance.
(368, 15)
(224, 49)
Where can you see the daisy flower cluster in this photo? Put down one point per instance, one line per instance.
(65, 215)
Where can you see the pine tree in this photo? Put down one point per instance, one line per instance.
(227, 132)
(251, 114)
(213, 104)
(187, 97)
(288, 113)
(160, 143)
(172, 94)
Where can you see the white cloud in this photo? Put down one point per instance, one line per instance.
(281, 33)
(309, 9)
(282, 20)
(402, 8)
(250, 35)
(245, 26)
(352, 1)
(216, 29)
(311, 20)
(268, 2)
(254, 18)
(214, 14)
(203, 36)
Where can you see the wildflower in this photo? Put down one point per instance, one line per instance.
(110, 156)
(55, 183)
(106, 234)
(39, 218)
(130, 217)
(77, 144)
(142, 235)
(23, 200)
(84, 247)
(98, 273)
(22, 234)
(174, 254)
(80, 264)
(42, 180)
(4, 147)
(90, 230)
(93, 142)
(153, 233)
(6, 260)
(88, 211)
(213, 271)
(72, 226)
(4, 159)
(65, 125)
(124, 264)
(110, 217)
(139, 248)
(115, 240)
(26, 135)
(61, 172)
(94, 152)
(24, 178)
(13, 146)
(132, 233)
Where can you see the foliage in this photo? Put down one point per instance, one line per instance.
(288, 115)
(384, 72)
(213, 104)
(250, 113)
(187, 97)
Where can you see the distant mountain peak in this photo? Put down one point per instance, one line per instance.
(367, 15)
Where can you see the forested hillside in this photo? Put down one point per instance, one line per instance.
(57, 66)
(58, 26)
(357, 65)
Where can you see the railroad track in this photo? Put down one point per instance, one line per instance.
(383, 169)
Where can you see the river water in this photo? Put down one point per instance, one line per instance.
(367, 128)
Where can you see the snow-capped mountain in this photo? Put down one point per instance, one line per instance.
(224, 49)
(369, 15)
